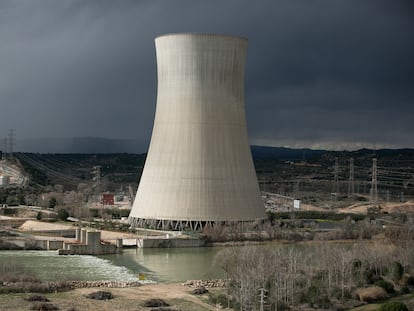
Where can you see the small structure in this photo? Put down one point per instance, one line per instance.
(88, 243)
(4, 180)
(108, 199)
(166, 242)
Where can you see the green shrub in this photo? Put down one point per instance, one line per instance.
(104, 295)
(281, 306)
(63, 214)
(42, 306)
(223, 300)
(37, 298)
(410, 280)
(52, 202)
(394, 306)
(219, 298)
(397, 271)
(389, 287)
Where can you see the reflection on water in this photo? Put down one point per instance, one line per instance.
(165, 265)
(171, 265)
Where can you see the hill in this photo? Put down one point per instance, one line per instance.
(300, 173)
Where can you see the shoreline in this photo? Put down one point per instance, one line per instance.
(178, 296)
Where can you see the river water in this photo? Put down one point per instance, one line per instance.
(159, 265)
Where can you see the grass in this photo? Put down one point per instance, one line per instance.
(407, 299)
(123, 300)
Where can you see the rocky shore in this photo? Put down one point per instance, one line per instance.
(57, 286)
(108, 284)
(205, 283)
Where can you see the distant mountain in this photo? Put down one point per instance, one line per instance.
(82, 145)
(93, 145)
(263, 152)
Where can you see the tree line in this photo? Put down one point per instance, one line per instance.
(317, 275)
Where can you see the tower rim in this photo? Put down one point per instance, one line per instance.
(201, 34)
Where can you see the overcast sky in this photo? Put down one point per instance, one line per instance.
(320, 73)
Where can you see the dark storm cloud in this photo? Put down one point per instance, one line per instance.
(331, 74)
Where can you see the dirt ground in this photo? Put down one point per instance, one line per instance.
(362, 208)
(179, 297)
(39, 226)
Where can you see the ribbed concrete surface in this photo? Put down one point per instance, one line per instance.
(199, 165)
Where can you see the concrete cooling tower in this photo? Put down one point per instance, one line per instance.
(199, 168)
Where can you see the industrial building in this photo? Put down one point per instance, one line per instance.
(199, 169)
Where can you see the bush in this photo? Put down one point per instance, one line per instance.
(52, 202)
(199, 291)
(281, 306)
(44, 307)
(63, 214)
(316, 298)
(100, 295)
(223, 300)
(410, 280)
(37, 298)
(155, 302)
(394, 306)
(389, 287)
(397, 271)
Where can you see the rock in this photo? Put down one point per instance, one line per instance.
(199, 291)
(205, 283)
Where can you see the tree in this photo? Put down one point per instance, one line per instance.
(12, 201)
(397, 271)
(52, 202)
(39, 216)
(63, 214)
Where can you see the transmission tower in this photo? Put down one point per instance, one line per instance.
(374, 182)
(351, 182)
(131, 193)
(262, 297)
(335, 189)
(5, 147)
(96, 172)
(297, 188)
(11, 142)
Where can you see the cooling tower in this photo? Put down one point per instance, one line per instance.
(199, 168)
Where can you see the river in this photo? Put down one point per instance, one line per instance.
(159, 265)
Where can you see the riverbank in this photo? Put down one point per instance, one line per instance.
(179, 297)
